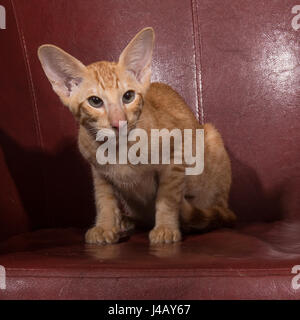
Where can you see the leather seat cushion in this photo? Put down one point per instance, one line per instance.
(252, 262)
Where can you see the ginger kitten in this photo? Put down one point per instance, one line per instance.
(103, 94)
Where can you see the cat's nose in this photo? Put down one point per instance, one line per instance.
(115, 124)
(115, 119)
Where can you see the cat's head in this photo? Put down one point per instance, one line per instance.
(103, 93)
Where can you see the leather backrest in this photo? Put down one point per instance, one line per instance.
(236, 64)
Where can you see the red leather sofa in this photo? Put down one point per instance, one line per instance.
(237, 64)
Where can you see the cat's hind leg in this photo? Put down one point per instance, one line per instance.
(219, 215)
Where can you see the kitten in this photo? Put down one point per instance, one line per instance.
(103, 94)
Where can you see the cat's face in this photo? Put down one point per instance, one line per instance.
(103, 93)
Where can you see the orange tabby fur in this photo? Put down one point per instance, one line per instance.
(146, 191)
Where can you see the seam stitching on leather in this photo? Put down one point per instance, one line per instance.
(29, 77)
(197, 49)
(31, 87)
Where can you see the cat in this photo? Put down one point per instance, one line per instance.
(103, 94)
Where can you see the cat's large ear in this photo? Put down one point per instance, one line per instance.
(136, 57)
(63, 71)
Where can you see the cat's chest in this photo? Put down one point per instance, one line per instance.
(133, 182)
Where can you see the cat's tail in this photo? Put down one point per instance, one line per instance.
(194, 219)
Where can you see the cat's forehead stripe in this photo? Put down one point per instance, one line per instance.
(99, 79)
(105, 73)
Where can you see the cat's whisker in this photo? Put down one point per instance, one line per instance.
(133, 125)
(92, 130)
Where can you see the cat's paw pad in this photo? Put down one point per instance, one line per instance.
(164, 234)
(98, 235)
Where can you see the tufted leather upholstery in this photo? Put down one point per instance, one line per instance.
(237, 66)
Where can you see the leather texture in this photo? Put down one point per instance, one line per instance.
(237, 66)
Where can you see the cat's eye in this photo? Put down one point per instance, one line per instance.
(128, 96)
(95, 102)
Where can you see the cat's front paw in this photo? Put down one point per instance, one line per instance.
(97, 235)
(164, 234)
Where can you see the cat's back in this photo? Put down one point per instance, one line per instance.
(169, 107)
